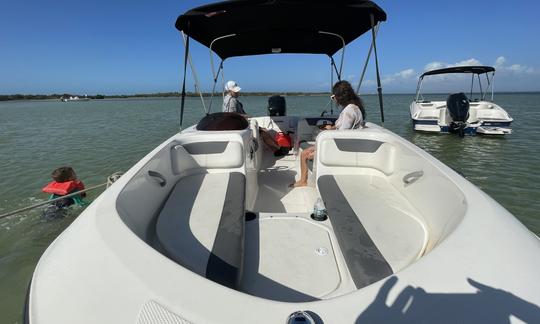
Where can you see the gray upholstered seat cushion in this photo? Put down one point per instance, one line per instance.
(201, 225)
(365, 262)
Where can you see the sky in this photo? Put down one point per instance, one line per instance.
(127, 47)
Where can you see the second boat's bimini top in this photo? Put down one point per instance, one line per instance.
(279, 26)
(461, 69)
(475, 70)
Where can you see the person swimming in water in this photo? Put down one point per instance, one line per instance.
(64, 182)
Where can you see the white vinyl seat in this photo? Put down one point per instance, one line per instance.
(378, 230)
(201, 225)
(387, 217)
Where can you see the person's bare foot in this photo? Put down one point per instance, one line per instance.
(298, 184)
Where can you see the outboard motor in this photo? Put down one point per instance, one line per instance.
(277, 106)
(457, 105)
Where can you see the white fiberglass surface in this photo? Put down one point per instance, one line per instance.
(275, 194)
(282, 245)
(290, 258)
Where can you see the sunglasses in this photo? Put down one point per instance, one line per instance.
(333, 97)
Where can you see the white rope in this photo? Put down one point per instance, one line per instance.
(110, 180)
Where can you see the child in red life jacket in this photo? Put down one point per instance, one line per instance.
(65, 182)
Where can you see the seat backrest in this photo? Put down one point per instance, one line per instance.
(345, 152)
(209, 151)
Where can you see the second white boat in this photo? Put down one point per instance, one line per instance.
(458, 113)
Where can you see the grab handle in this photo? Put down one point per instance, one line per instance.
(158, 177)
(412, 177)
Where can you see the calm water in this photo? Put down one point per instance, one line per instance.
(100, 137)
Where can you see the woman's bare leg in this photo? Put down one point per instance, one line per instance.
(268, 140)
(306, 155)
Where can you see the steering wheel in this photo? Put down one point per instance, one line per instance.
(317, 130)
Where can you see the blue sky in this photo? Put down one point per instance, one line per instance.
(122, 47)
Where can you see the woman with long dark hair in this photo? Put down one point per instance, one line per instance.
(351, 117)
(353, 112)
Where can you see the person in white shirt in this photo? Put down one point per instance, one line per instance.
(352, 116)
(230, 101)
(231, 104)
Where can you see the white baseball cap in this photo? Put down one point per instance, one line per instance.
(232, 86)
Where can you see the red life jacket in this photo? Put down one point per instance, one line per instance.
(63, 188)
(283, 140)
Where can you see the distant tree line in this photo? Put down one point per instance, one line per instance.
(145, 95)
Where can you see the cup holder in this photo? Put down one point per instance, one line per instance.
(250, 216)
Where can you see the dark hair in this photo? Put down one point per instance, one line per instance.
(345, 95)
(63, 174)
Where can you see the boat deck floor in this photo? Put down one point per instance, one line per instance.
(290, 257)
(274, 193)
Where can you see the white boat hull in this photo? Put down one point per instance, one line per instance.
(485, 118)
(454, 254)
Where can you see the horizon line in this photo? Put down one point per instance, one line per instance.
(190, 94)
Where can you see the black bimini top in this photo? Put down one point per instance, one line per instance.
(279, 26)
(461, 69)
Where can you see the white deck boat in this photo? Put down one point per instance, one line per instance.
(74, 98)
(204, 229)
(459, 114)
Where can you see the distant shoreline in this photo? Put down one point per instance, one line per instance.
(13, 97)
(146, 95)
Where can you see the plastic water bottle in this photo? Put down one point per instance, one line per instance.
(319, 210)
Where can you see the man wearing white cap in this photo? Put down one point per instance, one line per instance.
(230, 102)
(232, 105)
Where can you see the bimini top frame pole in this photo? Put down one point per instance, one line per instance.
(418, 88)
(489, 86)
(472, 85)
(379, 86)
(333, 66)
(342, 53)
(195, 78)
(183, 99)
(492, 84)
(367, 62)
(215, 74)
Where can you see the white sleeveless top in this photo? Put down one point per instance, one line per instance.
(350, 118)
